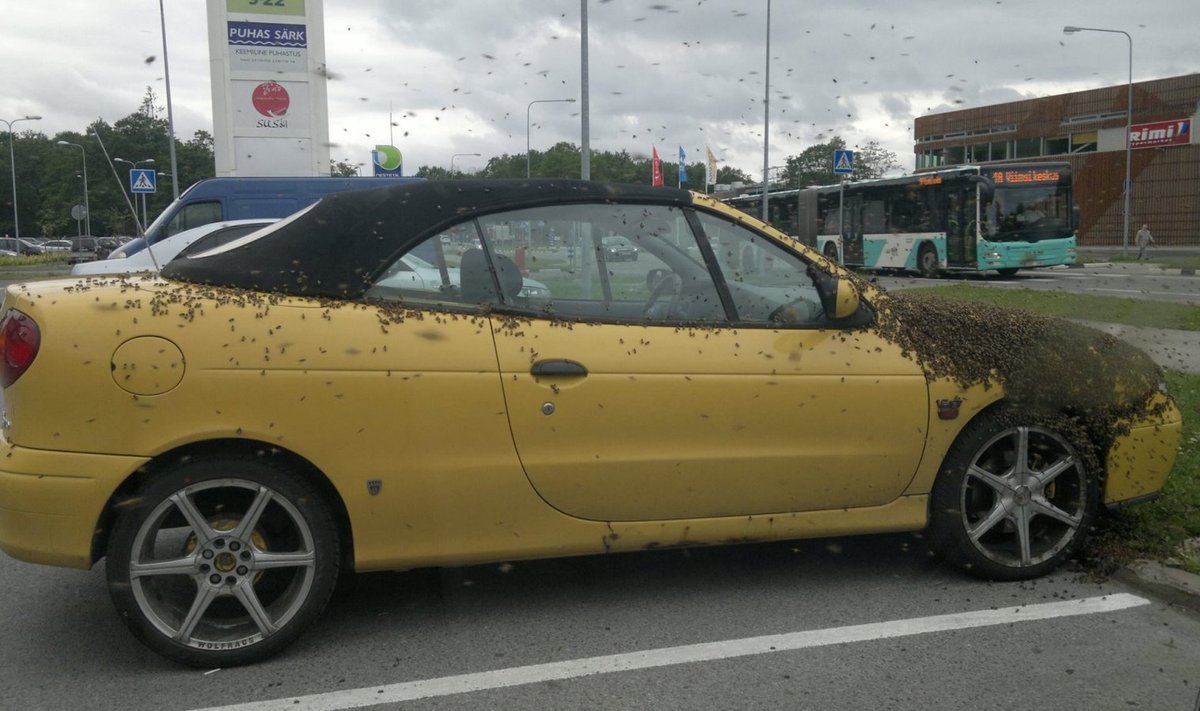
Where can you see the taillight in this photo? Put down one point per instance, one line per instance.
(19, 343)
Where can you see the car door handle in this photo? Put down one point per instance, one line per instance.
(557, 366)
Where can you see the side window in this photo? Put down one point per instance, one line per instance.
(217, 239)
(768, 284)
(605, 262)
(194, 215)
(448, 269)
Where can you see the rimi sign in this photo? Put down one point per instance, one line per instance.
(1160, 133)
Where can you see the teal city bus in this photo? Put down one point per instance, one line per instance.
(968, 218)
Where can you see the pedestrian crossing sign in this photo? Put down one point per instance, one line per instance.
(142, 180)
(843, 161)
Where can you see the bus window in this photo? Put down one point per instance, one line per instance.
(873, 217)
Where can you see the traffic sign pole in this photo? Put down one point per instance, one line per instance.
(843, 165)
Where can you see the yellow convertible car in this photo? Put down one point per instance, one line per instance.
(234, 432)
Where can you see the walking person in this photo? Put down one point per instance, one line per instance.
(1144, 239)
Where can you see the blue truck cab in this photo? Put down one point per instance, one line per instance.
(218, 199)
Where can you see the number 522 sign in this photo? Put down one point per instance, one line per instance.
(266, 7)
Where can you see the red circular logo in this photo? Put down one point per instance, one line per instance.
(271, 99)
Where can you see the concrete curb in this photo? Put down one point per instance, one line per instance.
(1150, 267)
(1174, 586)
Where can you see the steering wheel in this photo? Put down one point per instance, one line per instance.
(670, 285)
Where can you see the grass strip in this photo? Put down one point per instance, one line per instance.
(1112, 309)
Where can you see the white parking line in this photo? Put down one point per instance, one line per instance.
(687, 654)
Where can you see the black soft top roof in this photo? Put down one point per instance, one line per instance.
(338, 247)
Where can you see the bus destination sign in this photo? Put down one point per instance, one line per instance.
(1025, 176)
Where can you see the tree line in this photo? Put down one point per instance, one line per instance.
(49, 176)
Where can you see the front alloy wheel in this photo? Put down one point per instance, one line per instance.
(1012, 502)
(223, 562)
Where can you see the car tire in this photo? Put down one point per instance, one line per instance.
(927, 261)
(1011, 271)
(1002, 519)
(197, 586)
(831, 252)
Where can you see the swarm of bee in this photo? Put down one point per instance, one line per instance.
(1055, 373)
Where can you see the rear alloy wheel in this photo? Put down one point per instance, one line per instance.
(223, 561)
(1012, 501)
(927, 261)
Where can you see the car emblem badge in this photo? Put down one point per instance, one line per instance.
(948, 409)
(373, 486)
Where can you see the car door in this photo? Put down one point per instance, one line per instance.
(630, 400)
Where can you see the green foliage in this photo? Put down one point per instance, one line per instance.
(342, 169)
(814, 165)
(563, 161)
(56, 260)
(50, 176)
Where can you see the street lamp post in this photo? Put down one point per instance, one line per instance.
(162, 17)
(1070, 30)
(87, 212)
(135, 164)
(527, 109)
(767, 117)
(12, 162)
(457, 155)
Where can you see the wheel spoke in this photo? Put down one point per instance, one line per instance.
(244, 592)
(1024, 535)
(997, 483)
(998, 514)
(1021, 464)
(204, 532)
(1051, 472)
(1043, 507)
(253, 514)
(177, 566)
(204, 597)
(301, 559)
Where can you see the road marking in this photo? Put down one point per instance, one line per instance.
(687, 654)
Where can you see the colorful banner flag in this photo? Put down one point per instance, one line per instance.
(655, 170)
(710, 167)
(682, 167)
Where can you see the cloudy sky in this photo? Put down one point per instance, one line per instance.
(459, 74)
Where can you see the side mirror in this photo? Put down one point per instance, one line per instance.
(987, 188)
(839, 298)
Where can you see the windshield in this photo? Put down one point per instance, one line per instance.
(1028, 214)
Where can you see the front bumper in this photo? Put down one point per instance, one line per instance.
(1138, 462)
(51, 502)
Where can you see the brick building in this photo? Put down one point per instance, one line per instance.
(1087, 128)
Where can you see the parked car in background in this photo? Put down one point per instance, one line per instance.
(57, 245)
(86, 249)
(619, 249)
(21, 245)
(232, 439)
